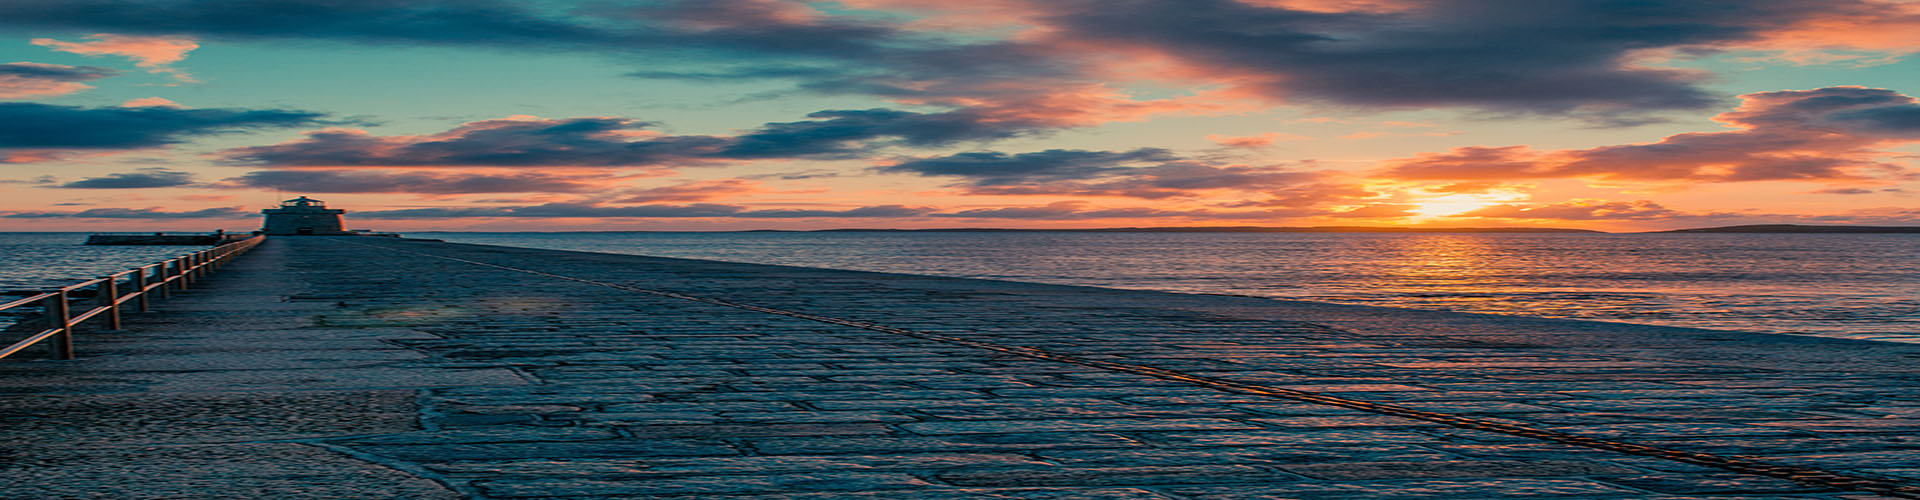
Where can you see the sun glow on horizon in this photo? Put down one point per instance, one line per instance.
(1454, 204)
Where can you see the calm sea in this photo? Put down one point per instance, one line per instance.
(1856, 286)
(33, 261)
(1849, 285)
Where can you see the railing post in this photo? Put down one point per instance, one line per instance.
(109, 297)
(57, 318)
(176, 272)
(140, 289)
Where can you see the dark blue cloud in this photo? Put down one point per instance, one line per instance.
(615, 142)
(1891, 118)
(997, 168)
(640, 212)
(408, 21)
(1141, 173)
(54, 72)
(1502, 54)
(130, 213)
(686, 30)
(570, 142)
(844, 131)
(42, 126)
(145, 178)
(731, 74)
(24, 80)
(335, 181)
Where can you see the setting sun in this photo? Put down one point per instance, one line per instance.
(1453, 204)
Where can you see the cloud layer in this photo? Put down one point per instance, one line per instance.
(335, 181)
(1150, 173)
(697, 210)
(130, 213)
(1827, 134)
(621, 142)
(1061, 59)
(42, 126)
(145, 178)
(25, 80)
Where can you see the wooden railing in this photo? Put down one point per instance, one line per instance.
(58, 320)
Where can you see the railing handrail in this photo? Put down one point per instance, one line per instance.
(25, 301)
(162, 277)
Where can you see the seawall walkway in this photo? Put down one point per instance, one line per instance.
(375, 368)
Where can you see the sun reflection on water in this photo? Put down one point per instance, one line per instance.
(1862, 286)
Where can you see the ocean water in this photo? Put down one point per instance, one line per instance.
(38, 261)
(1842, 285)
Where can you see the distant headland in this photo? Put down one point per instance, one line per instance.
(1756, 228)
(1795, 228)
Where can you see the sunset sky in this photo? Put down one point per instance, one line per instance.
(1617, 115)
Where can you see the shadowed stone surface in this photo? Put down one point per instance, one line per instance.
(259, 470)
(166, 418)
(380, 372)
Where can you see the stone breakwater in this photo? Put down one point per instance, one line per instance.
(374, 368)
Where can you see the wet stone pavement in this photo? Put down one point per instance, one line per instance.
(377, 368)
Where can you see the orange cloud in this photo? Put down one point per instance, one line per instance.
(154, 53)
(145, 51)
(23, 80)
(1477, 187)
(150, 102)
(1335, 6)
(1579, 210)
(1828, 134)
(14, 87)
(1863, 33)
(1255, 141)
(692, 191)
(1382, 211)
(33, 156)
(1066, 104)
(732, 14)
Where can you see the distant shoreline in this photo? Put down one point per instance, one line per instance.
(1792, 228)
(1746, 229)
